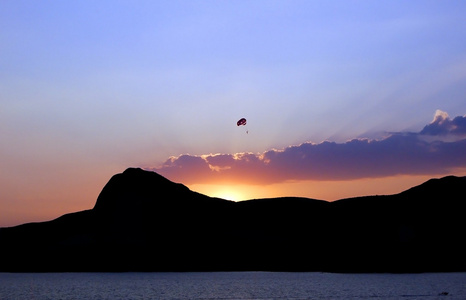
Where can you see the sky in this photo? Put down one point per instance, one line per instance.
(342, 98)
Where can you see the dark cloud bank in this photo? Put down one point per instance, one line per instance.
(439, 147)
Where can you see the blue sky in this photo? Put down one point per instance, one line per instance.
(88, 88)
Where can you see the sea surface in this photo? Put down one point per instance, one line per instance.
(232, 285)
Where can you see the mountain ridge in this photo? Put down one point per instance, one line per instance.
(142, 221)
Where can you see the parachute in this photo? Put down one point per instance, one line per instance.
(241, 122)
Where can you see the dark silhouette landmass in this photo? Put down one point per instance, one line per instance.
(144, 222)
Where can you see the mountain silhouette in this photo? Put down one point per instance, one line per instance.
(144, 222)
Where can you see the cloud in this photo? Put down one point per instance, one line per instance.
(442, 125)
(399, 153)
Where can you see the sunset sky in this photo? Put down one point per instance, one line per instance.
(342, 98)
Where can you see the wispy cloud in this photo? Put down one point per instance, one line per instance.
(399, 153)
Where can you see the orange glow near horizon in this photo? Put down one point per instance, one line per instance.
(322, 190)
(46, 202)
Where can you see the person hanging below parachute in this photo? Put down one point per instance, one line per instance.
(242, 122)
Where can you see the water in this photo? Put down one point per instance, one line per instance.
(231, 285)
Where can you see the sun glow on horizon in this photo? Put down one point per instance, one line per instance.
(228, 194)
(233, 193)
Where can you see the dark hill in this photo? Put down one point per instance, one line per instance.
(144, 222)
